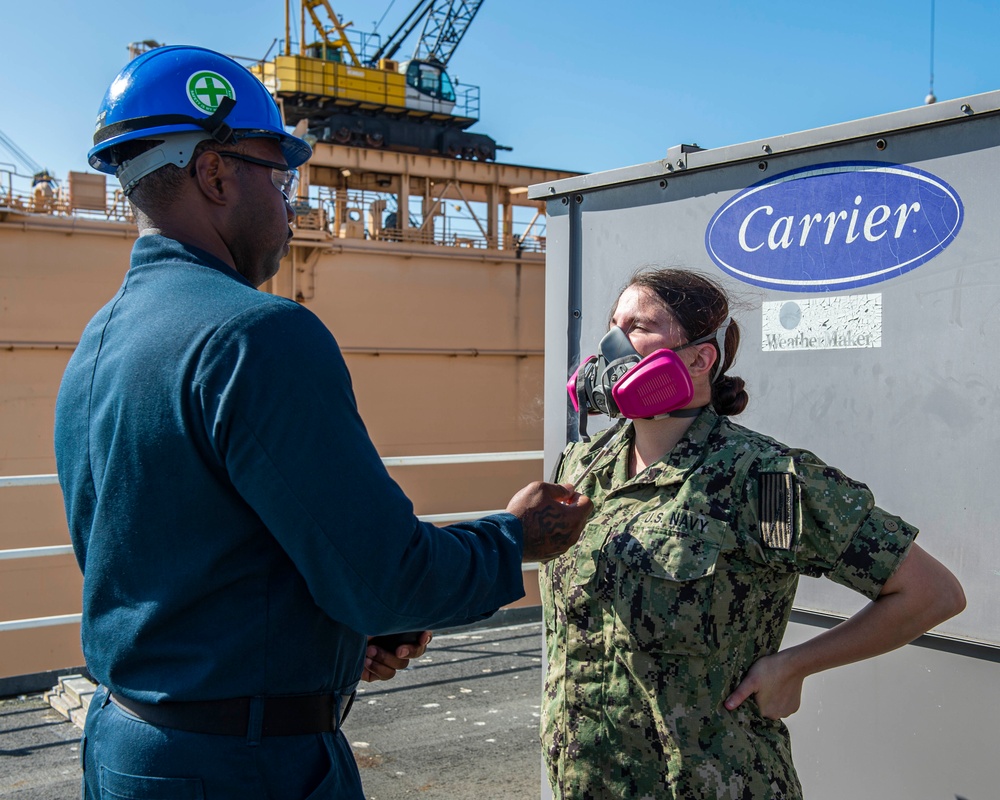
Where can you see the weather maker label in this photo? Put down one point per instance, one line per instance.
(826, 323)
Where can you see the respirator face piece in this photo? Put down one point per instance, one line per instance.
(619, 382)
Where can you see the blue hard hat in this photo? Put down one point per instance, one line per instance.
(184, 94)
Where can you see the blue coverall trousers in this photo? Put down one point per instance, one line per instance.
(125, 758)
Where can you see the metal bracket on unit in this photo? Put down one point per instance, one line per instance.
(677, 156)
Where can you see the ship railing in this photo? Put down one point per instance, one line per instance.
(15, 481)
(470, 239)
(466, 100)
(341, 213)
(84, 195)
(445, 216)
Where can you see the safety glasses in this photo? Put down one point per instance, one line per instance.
(285, 180)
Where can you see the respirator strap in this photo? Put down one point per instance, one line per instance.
(718, 336)
(581, 399)
(682, 412)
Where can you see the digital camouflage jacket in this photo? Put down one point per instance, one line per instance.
(683, 578)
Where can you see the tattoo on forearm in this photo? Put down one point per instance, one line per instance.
(551, 528)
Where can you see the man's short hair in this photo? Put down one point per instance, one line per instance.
(153, 195)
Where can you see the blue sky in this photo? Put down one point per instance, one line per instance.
(571, 84)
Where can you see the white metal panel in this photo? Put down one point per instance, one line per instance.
(909, 406)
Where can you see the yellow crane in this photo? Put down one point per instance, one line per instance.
(376, 101)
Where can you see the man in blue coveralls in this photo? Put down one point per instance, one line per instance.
(238, 534)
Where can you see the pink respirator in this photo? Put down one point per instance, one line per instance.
(621, 383)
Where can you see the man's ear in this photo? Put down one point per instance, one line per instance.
(213, 176)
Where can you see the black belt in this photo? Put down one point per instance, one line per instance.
(292, 715)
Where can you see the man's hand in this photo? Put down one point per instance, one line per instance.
(552, 516)
(382, 665)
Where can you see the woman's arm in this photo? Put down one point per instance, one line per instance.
(921, 593)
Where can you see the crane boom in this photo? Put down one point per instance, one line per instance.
(23, 158)
(446, 23)
(338, 27)
(405, 28)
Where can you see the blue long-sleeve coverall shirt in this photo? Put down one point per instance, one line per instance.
(237, 531)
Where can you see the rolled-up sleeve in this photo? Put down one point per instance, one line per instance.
(813, 519)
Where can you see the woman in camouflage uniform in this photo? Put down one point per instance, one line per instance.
(663, 625)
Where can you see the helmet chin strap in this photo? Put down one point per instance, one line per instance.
(214, 125)
(177, 149)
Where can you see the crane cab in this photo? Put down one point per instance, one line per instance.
(324, 52)
(428, 87)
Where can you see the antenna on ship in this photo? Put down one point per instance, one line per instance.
(930, 93)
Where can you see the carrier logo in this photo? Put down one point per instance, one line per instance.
(206, 90)
(834, 226)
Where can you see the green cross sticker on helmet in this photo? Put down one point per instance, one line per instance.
(152, 98)
(206, 89)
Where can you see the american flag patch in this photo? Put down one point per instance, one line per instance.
(776, 511)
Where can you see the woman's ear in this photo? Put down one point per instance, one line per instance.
(705, 358)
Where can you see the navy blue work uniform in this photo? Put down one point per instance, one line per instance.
(237, 531)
